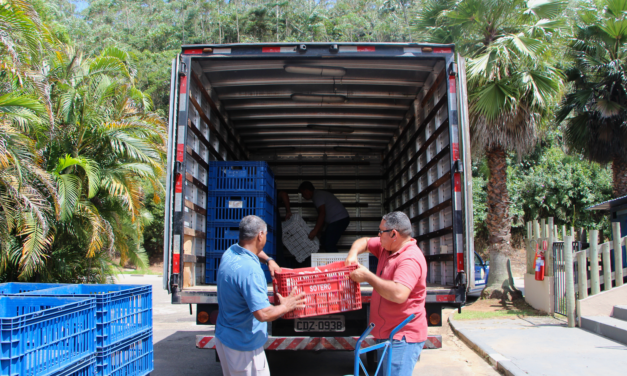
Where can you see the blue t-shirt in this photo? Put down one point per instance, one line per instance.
(242, 290)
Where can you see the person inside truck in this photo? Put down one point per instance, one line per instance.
(330, 211)
(242, 329)
(400, 289)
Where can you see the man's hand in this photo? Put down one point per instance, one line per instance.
(312, 234)
(360, 274)
(272, 267)
(351, 260)
(288, 215)
(293, 301)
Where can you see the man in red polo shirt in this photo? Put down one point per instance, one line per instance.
(400, 289)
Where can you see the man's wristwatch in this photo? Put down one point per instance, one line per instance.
(268, 260)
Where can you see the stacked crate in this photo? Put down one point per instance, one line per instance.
(121, 320)
(237, 189)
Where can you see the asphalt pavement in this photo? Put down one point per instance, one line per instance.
(175, 351)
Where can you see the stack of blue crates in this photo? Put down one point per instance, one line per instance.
(237, 189)
(121, 320)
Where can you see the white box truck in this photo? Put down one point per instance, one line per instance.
(383, 126)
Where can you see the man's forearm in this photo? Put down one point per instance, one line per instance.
(388, 290)
(272, 313)
(359, 246)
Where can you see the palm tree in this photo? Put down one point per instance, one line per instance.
(596, 108)
(512, 82)
(107, 144)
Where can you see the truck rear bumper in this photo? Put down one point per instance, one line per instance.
(313, 343)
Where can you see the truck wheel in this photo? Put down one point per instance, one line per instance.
(371, 360)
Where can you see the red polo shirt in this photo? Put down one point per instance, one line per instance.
(409, 268)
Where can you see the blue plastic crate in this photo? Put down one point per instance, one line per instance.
(220, 236)
(121, 310)
(233, 206)
(84, 367)
(241, 176)
(42, 335)
(131, 357)
(13, 288)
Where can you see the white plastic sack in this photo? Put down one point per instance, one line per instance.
(296, 240)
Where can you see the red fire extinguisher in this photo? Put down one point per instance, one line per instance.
(540, 261)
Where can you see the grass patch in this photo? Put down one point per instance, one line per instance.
(481, 315)
(139, 272)
(494, 308)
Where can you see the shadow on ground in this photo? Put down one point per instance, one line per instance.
(176, 354)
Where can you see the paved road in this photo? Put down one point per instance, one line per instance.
(175, 349)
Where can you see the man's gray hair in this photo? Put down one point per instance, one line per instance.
(398, 221)
(250, 226)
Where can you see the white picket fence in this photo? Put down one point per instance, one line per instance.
(593, 263)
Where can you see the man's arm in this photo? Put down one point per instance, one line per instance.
(322, 211)
(359, 246)
(286, 201)
(272, 265)
(389, 290)
(286, 305)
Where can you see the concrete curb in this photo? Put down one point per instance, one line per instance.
(498, 361)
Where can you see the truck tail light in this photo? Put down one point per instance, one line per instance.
(203, 317)
(435, 319)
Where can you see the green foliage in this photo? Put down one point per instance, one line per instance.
(548, 183)
(78, 141)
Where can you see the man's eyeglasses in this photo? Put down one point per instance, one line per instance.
(382, 231)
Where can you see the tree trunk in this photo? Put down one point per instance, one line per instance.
(498, 222)
(619, 170)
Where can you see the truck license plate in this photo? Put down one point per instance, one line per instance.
(320, 324)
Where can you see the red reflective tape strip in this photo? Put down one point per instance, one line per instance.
(271, 49)
(294, 343)
(326, 344)
(445, 298)
(176, 263)
(441, 50)
(183, 85)
(458, 182)
(193, 51)
(452, 84)
(365, 48)
(203, 342)
(178, 187)
(366, 299)
(344, 343)
(455, 151)
(435, 342)
(276, 343)
(312, 343)
(180, 152)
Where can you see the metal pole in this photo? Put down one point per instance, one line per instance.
(583, 277)
(595, 288)
(548, 269)
(570, 280)
(563, 232)
(543, 227)
(607, 267)
(618, 254)
(536, 229)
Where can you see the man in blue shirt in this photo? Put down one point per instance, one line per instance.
(242, 329)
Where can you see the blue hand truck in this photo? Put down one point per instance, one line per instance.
(387, 345)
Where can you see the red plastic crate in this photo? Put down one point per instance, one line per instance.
(328, 289)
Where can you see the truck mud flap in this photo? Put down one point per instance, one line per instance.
(313, 343)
